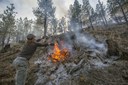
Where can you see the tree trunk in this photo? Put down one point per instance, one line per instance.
(117, 20)
(102, 14)
(125, 18)
(64, 29)
(0, 40)
(45, 25)
(8, 39)
(81, 24)
(90, 20)
(18, 37)
(103, 17)
(3, 40)
(91, 23)
(4, 36)
(103, 20)
(54, 30)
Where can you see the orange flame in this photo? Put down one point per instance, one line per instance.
(58, 55)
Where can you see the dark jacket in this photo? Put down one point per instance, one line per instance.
(29, 49)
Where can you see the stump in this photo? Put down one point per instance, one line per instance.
(113, 48)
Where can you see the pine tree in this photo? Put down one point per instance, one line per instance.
(87, 9)
(110, 7)
(19, 29)
(120, 3)
(63, 24)
(8, 20)
(101, 12)
(75, 11)
(55, 24)
(45, 12)
(115, 5)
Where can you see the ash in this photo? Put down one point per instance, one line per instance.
(65, 73)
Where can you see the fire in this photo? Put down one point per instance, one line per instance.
(58, 54)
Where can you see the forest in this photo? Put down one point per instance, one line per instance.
(92, 44)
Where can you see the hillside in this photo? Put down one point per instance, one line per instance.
(82, 68)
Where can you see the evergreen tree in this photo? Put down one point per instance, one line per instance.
(27, 26)
(23, 28)
(45, 12)
(120, 3)
(101, 12)
(110, 7)
(63, 24)
(87, 10)
(55, 24)
(8, 21)
(115, 5)
(19, 29)
(75, 20)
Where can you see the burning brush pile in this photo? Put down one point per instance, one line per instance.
(58, 55)
(74, 61)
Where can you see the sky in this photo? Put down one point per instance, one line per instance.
(24, 8)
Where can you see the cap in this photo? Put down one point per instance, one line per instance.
(30, 36)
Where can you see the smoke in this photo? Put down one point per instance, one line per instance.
(62, 7)
(84, 40)
(87, 41)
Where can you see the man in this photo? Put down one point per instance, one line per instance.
(21, 62)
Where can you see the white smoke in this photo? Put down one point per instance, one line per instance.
(90, 42)
(85, 40)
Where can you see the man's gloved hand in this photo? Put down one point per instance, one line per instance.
(38, 40)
